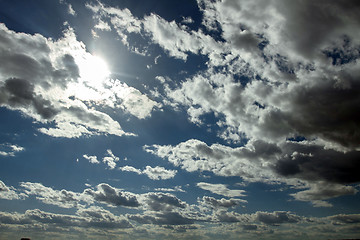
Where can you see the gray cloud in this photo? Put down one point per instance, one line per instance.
(221, 189)
(105, 193)
(221, 203)
(163, 202)
(276, 218)
(165, 218)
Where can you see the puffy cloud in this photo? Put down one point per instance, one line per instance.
(7, 149)
(10, 193)
(162, 201)
(110, 159)
(157, 173)
(154, 173)
(51, 81)
(112, 196)
(61, 198)
(276, 218)
(92, 159)
(130, 169)
(247, 162)
(221, 189)
(87, 218)
(221, 203)
(165, 218)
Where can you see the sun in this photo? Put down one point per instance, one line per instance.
(93, 70)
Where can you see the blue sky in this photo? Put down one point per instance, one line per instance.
(175, 119)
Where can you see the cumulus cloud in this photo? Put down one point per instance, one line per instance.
(61, 198)
(110, 159)
(10, 193)
(9, 150)
(112, 196)
(154, 173)
(221, 189)
(163, 202)
(92, 159)
(277, 217)
(247, 162)
(49, 81)
(87, 218)
(221, 203)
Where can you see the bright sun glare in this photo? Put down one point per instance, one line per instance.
(93, 70)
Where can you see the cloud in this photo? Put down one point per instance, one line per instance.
(112, 196)
(163, 201)
(278, 217)
(221, 189)
(56, 86)
(157, 173)
(167, 218)
(10, 193)
(92, 159)
(221, 203)
(61, 198)
(322, 191)
(175, 189)
(154, 173)
(9, 150)
(247, 162)
(110, 159)
(86, 218)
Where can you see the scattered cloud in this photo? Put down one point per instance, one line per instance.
(10, 193)
(221, 189)
(92, 159)
(110, 159)
(154, 173)
(111, 196)
(9, 150)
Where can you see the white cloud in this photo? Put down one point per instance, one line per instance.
(10, 193)
(92, 159)
(221, 189)
(9, 150)
(157, 173)
(154, 173)
(110, 159)
(42, 89)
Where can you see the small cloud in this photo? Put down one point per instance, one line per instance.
(154, 173)
(221, 189)
(9, 150)
(92, 159)
(110, 159)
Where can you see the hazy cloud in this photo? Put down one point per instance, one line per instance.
(221, 189)
(154, 173)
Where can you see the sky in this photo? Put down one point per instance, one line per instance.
(181, 119)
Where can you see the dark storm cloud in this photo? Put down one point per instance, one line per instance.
(312, 162)
(112, 196)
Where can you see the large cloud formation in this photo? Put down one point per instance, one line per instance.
(48, 80)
